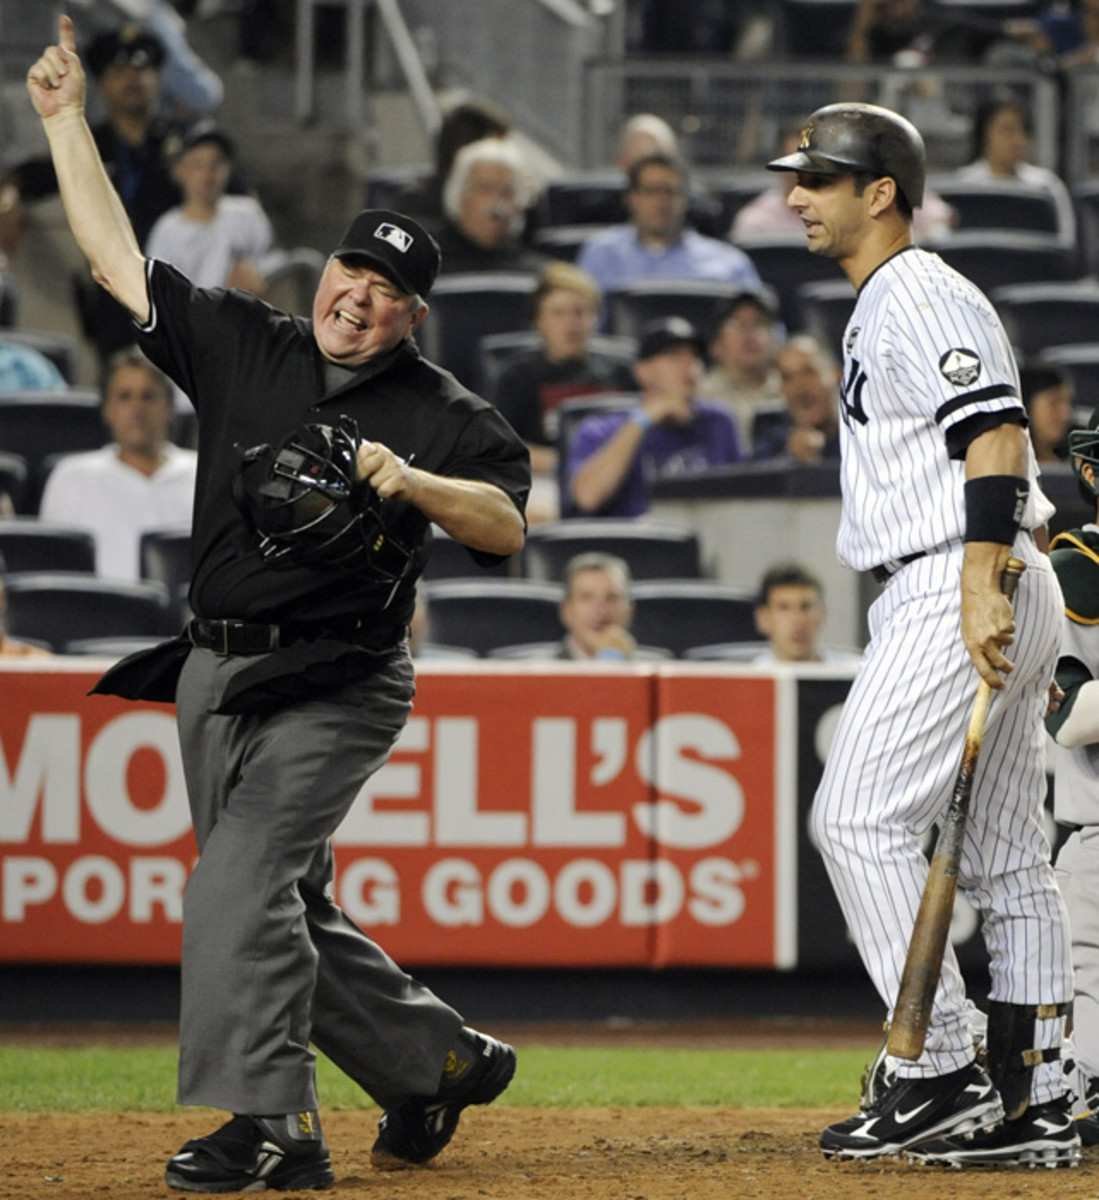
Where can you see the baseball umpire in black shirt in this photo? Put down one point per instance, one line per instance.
(326, 449)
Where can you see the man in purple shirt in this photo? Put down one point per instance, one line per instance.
(656, 244)
(614, 458)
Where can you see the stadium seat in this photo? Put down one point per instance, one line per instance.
(785, 263)
(385, 185)
(165, 557)
(59, 607)
(449, 559)
(731, 191)
(996, 258)
(40, 425)
(1082, 363)
(62, 349)
(826, 307)
(741, 652)
(564, 241)
(1039, 315)
(13, 478)
(997, 204)
(585, 197)
(677, 614)
(497, 350)
(480, 614)
(1085, 195)
(631, 306)
(29, 544)
(652, 549)
(467, 307)
(9, 301)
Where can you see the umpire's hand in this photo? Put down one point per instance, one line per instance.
(387, 473)
(56, 81)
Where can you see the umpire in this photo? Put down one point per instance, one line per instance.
(294, 680)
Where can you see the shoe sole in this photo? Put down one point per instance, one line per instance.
(494, 1083)
(1038, 1156)
(986, 1118)
(307, 1178)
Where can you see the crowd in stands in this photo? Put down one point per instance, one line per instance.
(707, 379)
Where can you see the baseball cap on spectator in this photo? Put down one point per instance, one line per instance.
(398, 246)
(763, 297)
(203, 132)
(121, 47)
(668, 333)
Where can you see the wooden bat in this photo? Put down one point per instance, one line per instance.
(922, 967)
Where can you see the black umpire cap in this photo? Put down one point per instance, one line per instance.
(119, 47)
(398, 246)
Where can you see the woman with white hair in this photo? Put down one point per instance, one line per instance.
(485, 200)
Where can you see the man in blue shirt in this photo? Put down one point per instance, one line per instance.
(656, 244)
(614, 457)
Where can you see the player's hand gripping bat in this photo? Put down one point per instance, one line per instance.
(922, 968)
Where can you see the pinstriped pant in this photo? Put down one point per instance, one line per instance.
(889, 778)
(270, 962)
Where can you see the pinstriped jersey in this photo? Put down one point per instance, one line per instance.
(923, 352)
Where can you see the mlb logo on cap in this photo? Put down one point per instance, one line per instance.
(394, 236)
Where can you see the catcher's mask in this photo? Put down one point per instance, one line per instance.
(1083, 447)
(306, 507)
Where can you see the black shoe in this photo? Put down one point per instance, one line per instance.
(252, 1154)
(913, 1110)
(1044, 1136)
(414, 1133)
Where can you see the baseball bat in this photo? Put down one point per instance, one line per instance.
(923, 966)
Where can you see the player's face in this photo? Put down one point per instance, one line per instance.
(566, 320)
(137, 410)
(658, 203)
(597, 599)
(359, 313)
(834, 217)
(745, 341)
(203, 173)
(489, 211)
(791, 620)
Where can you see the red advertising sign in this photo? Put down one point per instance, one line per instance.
(536, 815)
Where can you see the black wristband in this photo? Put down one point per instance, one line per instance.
(994, 506)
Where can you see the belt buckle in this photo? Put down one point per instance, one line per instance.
(226, 626)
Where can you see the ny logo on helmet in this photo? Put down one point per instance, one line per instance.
(806, 137)
(395, 236)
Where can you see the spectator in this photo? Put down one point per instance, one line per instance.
(470, 121)
(790, 615)
(25, 369)
(189, 88)
(642, 135)
(743, 346)
(1048, 397)
(486, 198)
(12, 647)
(656, 244)
(531, 389)
(132, 142)
(214, 239)
(138, 482)
(914, 33)
(597, 611)
(768, 214)
(808, 430)
(614, 458)
(1002, 144)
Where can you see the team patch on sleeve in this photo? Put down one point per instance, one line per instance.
(960, 367)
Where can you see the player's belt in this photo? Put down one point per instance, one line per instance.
(248, 637)
(884, 571)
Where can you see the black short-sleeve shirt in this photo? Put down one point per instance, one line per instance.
(254, 375)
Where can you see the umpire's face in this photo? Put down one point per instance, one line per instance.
(359, 313)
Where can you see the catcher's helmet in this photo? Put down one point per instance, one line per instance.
(842, 139)
(1083, 447)
(306, 508)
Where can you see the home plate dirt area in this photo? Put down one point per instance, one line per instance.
(510, 1153)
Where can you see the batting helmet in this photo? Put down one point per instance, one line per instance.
(842, 139)
(1083, 447)
(307, 509)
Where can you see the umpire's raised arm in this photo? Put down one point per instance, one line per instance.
(96, 217)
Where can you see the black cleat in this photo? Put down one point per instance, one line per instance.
(1044, 1136)
(414, 1133)
(914, 1110)
(254, 1154)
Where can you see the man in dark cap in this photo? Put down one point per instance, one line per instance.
(613, 458)
(294, 680)
(133, 143)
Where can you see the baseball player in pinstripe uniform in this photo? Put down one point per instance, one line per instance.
(1075, 727)
(939, 488)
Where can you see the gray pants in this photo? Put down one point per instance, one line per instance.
(1078, 875)
(270, 963)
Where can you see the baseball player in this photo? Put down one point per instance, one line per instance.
(1075, 727)
(939, 488)
(294, 680)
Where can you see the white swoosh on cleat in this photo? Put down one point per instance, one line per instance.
(904, 1118)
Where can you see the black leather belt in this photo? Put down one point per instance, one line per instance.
(247, 637)
(883, 572)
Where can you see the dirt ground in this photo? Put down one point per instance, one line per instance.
(540, 1154)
